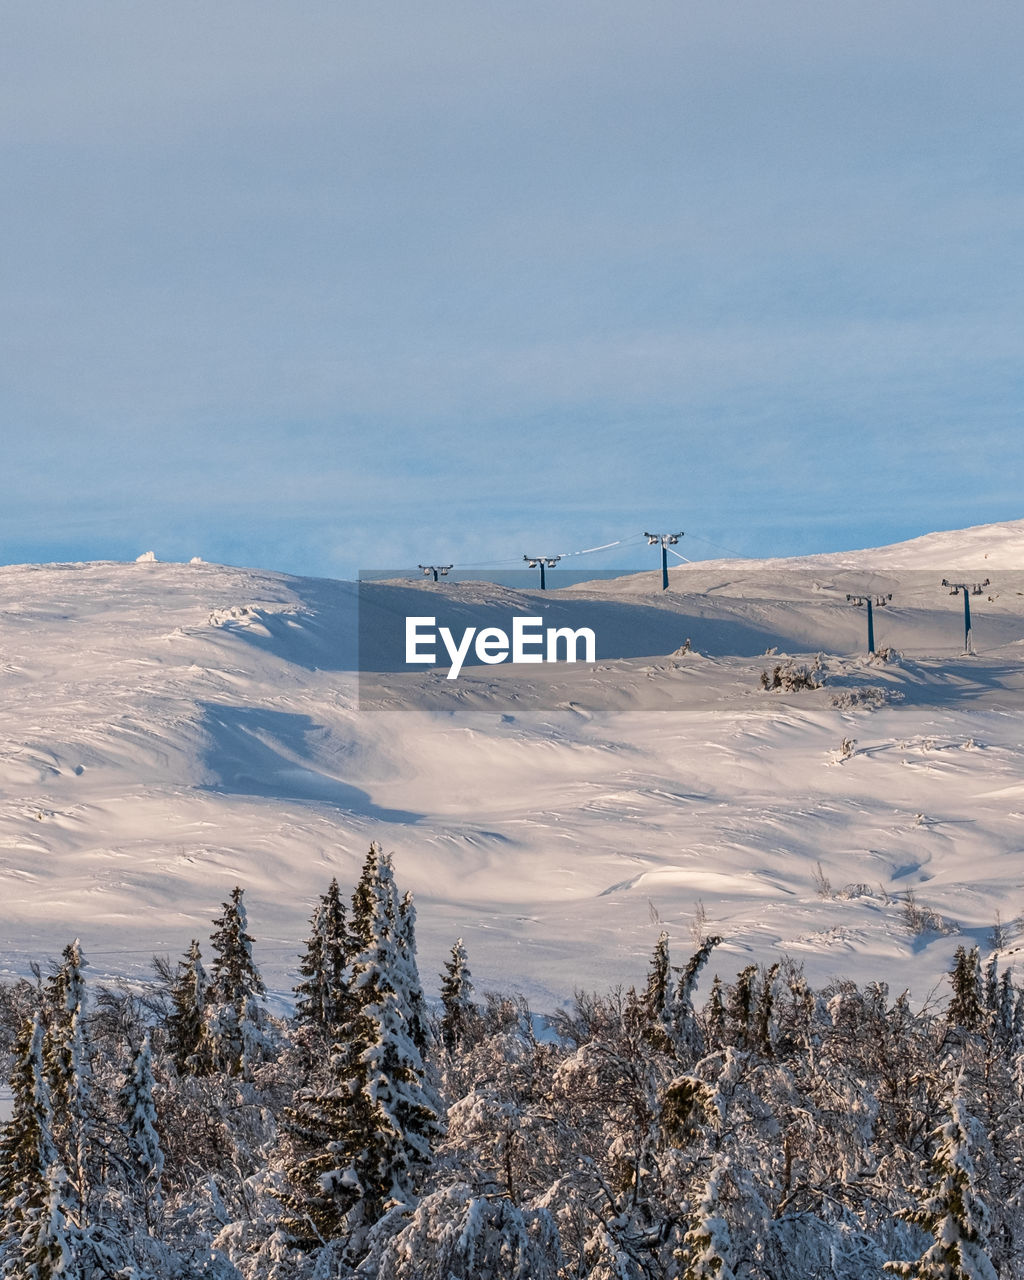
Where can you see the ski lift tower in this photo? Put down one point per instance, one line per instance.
(879, 602)
(664, 540)
(435, 569)
(969, 589)
(535, 562)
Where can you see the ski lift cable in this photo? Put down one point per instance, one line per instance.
(605, 546)
(562, 555)
(739, 555)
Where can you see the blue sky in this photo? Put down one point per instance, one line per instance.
(323, 286)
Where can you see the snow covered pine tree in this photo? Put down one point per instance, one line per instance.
(235, 1022)
(951, 1209)
(360, 1135)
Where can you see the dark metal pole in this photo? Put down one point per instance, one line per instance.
(664, 567)
(967, 619)
(871, 628)
(543, 585)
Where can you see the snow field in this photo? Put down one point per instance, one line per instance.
(167, 731)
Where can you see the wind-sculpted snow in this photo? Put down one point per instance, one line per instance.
(167, 731)
(254, 752)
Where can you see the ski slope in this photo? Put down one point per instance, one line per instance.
(169, 730)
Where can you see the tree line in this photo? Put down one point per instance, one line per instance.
(175, 1129)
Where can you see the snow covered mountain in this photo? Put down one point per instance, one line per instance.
(167, 731)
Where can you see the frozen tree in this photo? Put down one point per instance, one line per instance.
(68, 1069)
(706, 1244)
(457, 1234)
(186, 1025)
(320, 995)
(763, 1012)
(656, 993)
(967, 1007)
(740, 1008)
(951, 1211)
(502, 1135)
(599, 1123)
(686, 1030)
(361, 1137)
(393, 1116)
(318, 1195)
(364, 901)
(991, 987)
(60, 1167)
(143, 1139)
(1006, 1000)
(714, 1015)
(235, 1021)
(48, 1246)
(406, 973)
(457, 999)
(33, 1224)
(608, 1257)
(721, 1125)
(44, 1227)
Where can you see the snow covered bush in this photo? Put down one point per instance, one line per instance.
(790, 678)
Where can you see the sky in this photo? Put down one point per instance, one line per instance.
(328, 286)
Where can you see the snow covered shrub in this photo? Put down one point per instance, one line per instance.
(920, 919)
(790, 678)
(822, 884)
(866, 697)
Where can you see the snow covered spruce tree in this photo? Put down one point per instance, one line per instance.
(724, 1163)
(32, 1178)
(685, 1029)
(951, 1211)
(706, 1243)
(359, 1137)
(235, 1021)
(407, 976)
(460, 1014)
(714, 1015)
(967, 1007)
(740, 1008)
(55, 1174)
(68, 1069)
(320, 995)
(140, 1131)
(671, 1018)
(656, 999)
(186, 1025)
(393, 1116)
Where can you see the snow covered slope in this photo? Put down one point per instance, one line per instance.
(169, 730)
